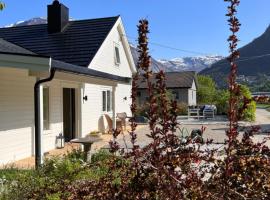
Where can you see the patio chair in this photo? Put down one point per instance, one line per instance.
(110, 124)
(209, 111)
(123, 117)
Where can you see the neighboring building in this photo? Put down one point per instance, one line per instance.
(90, 66)
(182, 85)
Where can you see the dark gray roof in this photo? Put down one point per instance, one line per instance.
(7, 47)
(76, 45)
(174, 80)
(65, 67)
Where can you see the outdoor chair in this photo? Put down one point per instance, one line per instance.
(110, 124)
(209, 111)
(123, 117)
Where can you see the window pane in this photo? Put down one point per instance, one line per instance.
(103, 100)
(109, 101)
(46, 109)
(117, 55)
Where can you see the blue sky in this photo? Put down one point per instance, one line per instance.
(195, 25)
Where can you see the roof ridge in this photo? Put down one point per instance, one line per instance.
(101, 18)
(70, 21)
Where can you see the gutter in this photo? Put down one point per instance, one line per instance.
(38, 131)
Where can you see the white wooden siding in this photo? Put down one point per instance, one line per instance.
(122, 105)
(56, 115)
(16, 114)
(92, 114)
(105, 58)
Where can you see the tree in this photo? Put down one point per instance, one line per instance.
(206, 90)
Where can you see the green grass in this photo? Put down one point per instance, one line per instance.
(263, 106)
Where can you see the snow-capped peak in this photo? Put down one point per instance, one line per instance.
(196, 63)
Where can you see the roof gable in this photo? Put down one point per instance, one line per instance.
(105, 57)
(77, 44)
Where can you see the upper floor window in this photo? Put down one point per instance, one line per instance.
(117, 54)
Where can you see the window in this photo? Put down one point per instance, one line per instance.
(117, 55)
(46, 109)
(175, 95)
(106, 101)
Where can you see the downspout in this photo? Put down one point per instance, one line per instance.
(38, 155)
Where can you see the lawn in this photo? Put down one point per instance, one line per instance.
(262, 106)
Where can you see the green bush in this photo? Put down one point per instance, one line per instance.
(249, 113)
(55, 175)
(182, 109)
(222, 102)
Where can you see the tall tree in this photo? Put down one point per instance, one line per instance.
(207, 90)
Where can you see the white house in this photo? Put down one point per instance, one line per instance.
(81, 69)
(182, 85)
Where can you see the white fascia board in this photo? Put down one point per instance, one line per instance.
(32, 63)
(125, 44)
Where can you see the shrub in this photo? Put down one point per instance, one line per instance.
(182, 109)
(249, 112)
(52, 180)
(222, 102)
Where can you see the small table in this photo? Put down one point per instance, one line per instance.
(87, 143)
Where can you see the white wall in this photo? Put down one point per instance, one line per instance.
(16, 114)
(92, 114)
(192, 95)
(105, 58)
(122, 105)
(56, 116)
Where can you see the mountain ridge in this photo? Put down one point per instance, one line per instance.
(254, 60)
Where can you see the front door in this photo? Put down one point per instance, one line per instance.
(69, 113)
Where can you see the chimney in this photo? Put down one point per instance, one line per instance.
(58, 17)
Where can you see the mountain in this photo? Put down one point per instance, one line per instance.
(155, 65)
(33, 21)
(197, 63)
(254, 60)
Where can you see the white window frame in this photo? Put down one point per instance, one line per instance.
(116, 61)
(108, 107)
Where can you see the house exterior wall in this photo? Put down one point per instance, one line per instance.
(92, 115)
(122, 98)
(16, 114)
(105, 58)
(185, 95)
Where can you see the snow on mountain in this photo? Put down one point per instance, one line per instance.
(33, 21)
(197, 63)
